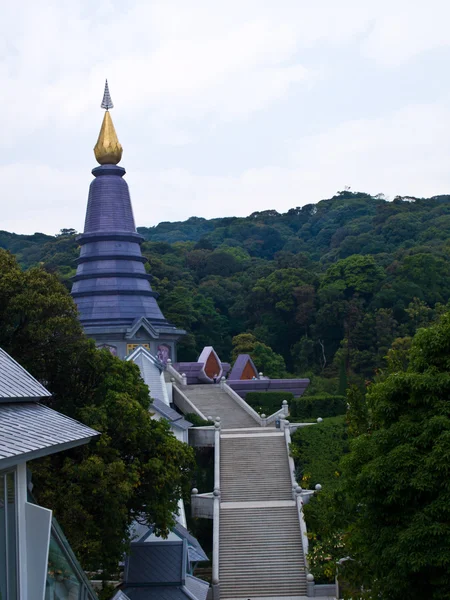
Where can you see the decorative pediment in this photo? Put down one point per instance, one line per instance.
(244, 368)
(212, 365)
(139, 327)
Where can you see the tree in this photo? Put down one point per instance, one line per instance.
(265, 359)
(136, 468)
(398, 475)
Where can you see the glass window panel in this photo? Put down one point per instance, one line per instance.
(8, 536)
(11, 521)
(62, 580)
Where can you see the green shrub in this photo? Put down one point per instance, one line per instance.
(196, 420)
(317, 450)
(325, 405)
(268, 402)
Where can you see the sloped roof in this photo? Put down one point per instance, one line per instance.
(158, 592)
(239, 366)
(140, 533)
(120, 596)
(197, 587)
(151, 369)
(30, 430)
(198, 553)
(152, 563)
(16, 384)
(171, 415)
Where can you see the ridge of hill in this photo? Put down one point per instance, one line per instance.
(324, 285)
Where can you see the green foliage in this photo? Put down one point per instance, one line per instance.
(317, 451)
(266, 360)
(197, 421)
(357, 412)
(268, 402)
(136, 467)
(326, 288)
(398, 474)
(311, 407)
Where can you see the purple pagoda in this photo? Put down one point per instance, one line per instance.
(116, 304)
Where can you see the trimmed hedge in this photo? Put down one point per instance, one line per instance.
(268, 402)
(196, 420)
(312, 407)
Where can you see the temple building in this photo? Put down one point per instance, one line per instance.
(117, 306)
(36, 561)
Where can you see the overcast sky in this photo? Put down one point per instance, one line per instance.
(222, 108)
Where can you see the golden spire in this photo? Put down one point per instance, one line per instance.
(107, 150)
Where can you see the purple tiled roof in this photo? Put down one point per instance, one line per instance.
(111, 286)
(239, 366)
(244, 386)
(190, 369)
(194, 371)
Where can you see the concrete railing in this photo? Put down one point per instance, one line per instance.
(216, 514)
(201, 437)
(184, 404)
(174, 373)
(242, 403)
(296, 491)
(282, 412)
(295, 426)
(202, 505)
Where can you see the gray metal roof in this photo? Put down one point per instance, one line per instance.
(197, 587)
(158, 592)
(16, 384)
(170, 414)
(140, 532)
(195, 551)
(120, 596)
(155, 562)
(30, 430)
(151, 369)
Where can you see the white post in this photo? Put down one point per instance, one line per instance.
(184, 379)
(285, 408)
(216, 513)
(310, 585)
(22, 498)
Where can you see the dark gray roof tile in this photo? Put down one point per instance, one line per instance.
(30, 430)
(197, 587)
(155, 593)
(16, 384)
(155, 562)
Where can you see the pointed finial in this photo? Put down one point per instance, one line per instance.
(107, 102)
(108, 150)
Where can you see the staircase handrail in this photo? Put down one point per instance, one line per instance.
(216, 514)
(296, 494)
(192, 408)
(242, 403)
(174, 373)
(281, 412)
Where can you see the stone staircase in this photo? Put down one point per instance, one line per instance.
(254, 467)
(260, 551)
(260, 546)
(212, 401)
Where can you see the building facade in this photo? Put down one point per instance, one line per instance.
(36, 562)
(116, 304)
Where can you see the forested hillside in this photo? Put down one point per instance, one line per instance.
(328, 286)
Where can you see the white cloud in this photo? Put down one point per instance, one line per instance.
(180, 70)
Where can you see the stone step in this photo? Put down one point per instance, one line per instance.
(252, 590)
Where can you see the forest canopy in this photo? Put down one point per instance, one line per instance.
(325, 286)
